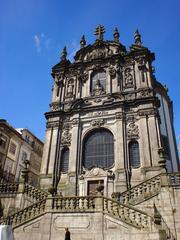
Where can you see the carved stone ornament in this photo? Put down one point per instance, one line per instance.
(145, 92)
(97, 122)
(75, 121)
(112, 71)
(70, 88)
(147, 112)
(66, 138)
(132, 130)
(128, 76)
(52, 124)
(59, 77)
(83, 77)
(118, 115)
(54, 106)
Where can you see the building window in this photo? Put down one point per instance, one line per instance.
(24, 156)
(134, 157)
(12, 148)
(98, 83)
(65, 160)
(98, 149)
(165, 144)
(3, 141)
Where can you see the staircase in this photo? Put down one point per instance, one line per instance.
(121, 210)
(147, 189)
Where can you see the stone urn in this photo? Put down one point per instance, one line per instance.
(100, 188)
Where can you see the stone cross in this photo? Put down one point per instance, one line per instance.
(100, 30)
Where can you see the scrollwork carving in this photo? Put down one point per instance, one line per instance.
(97, 122)
(132, 130)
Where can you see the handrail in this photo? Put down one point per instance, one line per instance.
(125, 213)
(9, 188)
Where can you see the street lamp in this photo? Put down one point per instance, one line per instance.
(25, 170)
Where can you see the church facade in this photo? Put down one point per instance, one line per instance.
(110, 121)
(110, 168)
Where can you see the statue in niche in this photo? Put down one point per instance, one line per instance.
(128, 77)
(70, 88)
(98, 87)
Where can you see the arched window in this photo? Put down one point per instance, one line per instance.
(98, 149)
(134, 157)
(98, 82)
(65, 160)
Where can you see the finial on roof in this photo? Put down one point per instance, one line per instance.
(63, 54)
(137, 38)
(100, 30)
(83, 41)
(116, 35)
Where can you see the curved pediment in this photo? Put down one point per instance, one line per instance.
(99, 50)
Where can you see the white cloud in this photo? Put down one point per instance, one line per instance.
(37, 42)
(41, 41)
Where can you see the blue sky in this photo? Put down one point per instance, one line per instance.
(33, 33)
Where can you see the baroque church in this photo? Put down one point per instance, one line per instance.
(110, 120)
(110, 164)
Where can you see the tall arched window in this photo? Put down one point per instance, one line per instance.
(134, 157)
(65, 160)
(98, 149)
(98, 82)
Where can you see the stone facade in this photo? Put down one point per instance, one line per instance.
(110, 169)
(107, 89)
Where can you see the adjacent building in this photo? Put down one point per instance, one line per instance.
(17, 145)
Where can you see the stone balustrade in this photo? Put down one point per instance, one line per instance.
(24, 215)
(92, 204)
(74, 204)
(34, 193)
(9, 188)
(127, 214)
(140, 192)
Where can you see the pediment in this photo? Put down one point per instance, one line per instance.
(95, 172)
(99, 50)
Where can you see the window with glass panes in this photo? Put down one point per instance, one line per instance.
(101, 76)
(98, 149)
(134, 157)
(65, 160)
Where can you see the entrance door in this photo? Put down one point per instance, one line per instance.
(92, 185)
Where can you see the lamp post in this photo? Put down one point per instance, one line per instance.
(25, 170)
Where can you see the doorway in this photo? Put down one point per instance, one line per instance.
(92, 185)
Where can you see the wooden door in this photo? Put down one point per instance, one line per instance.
(92, 185)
